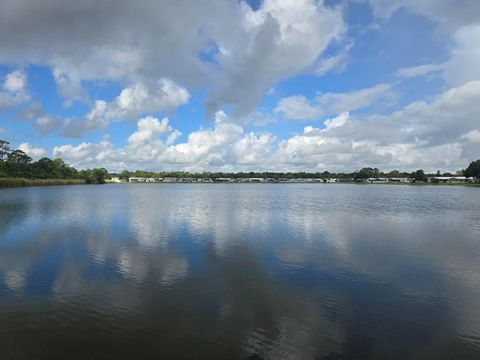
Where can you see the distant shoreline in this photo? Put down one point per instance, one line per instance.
(298, 182)
(18, 183)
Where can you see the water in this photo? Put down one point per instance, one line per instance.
(238, 271)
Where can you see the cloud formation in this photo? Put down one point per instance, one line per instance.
(422, 134)
(34, 152)
(298, 107)
(14, 90)
(235, 52)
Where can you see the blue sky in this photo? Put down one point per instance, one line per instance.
(232, 85)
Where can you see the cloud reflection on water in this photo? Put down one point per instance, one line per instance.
(280, 271)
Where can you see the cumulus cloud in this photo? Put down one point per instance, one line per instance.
(299, 107)
(44, 123)
(439, 134)
(473, 136)
(129, 104)
(34, 152)
(463, 64)
(247, 51)
(204, 146)
(15, 82)
(148, 128)
(281, 38)
(14, 90)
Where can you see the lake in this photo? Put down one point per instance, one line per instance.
(240, 271)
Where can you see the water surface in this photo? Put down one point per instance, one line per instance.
(240, 271)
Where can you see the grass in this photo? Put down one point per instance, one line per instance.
(14, 182)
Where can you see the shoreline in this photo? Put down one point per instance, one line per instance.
(6, 183)
(296, 182)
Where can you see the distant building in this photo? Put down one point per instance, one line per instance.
(114, 180)
(448, 179)
(222, 179)
(376, 180)
(256, 180)
(332, 180)
(137, 179)
(169, 179)
(400, 179)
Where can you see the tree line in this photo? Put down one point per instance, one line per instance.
(15, 163)
(364, 173)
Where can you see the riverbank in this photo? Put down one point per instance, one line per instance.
(360, 183)
(15, 182)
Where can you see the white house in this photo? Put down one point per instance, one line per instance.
(115, 180)
(169, 179)
(137, 179)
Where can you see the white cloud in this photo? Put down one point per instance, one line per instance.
(336, 63)
(448, 13)
(2, 131)
(463, 64)
(34, 152)
(130, 103)
(300, 108)
(70, 87)
(420, 70)
(143, 42)
(342, 102)
(148, 129)
(338, 121)
(14, 93)
(47, 123)
(86, 154)
(473, 136)
(279, 40)
(460, 20)
(15, 82)
(204, 146)
(440, 134)
(138, 99)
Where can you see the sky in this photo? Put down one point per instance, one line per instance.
(242, 85)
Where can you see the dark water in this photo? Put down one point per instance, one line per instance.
(240, 272)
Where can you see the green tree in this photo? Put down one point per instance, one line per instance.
(473, 169)
(19, 157)
(368, 172)
(94, 176)
(419, 175)
(4, 149)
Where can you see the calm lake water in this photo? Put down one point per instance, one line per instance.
(240, 272)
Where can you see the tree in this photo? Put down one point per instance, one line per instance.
(473, 169)
(419, 175)
(4, 149)
(94, 176)
(368, 172)
(19, 157)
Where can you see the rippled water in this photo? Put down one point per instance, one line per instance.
(248, 271)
